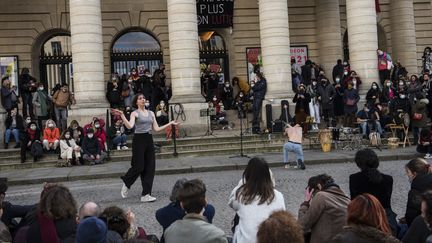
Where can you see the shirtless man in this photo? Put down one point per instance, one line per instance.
(295, 136)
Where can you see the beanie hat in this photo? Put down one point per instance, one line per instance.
(91, 230)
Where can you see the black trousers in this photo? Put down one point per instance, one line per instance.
(143, 163)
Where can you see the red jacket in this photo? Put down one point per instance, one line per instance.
(51, 134)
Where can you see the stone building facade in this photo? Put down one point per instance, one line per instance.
(403, 28)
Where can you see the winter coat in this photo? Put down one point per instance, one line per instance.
(420, 107)
(147, 87)
(8, 98)
(325, 215)
(173, 212)
(338, 102)
(51, 134)
(306, 73)
(65, 229)
(90, 146)
(359, 183)
(363, 234)
(418, 232)
(338, 70)
(387, 94)
(5, 235)
(19, 122)
(373, 93)
(327, 93)
(64, 147)
(260, 89)
(113, 94)
(414, 90)
(40, 108)
(419, 185)
(353, 95)
(62, 99)
(302, 103)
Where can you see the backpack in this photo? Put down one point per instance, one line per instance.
(36, 149)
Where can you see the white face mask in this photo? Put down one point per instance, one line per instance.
(33, 127)
(148, 75)
(41, 88)
(147, 104)
(90, 135)
(241, 96)
(374, 87)
(28, 121)
(97, 125)
(354, 81)
(337, 80)
(50, 125)
(345, 73)
(214, 99)
(13, 113)
(67, 136)
(314, 83)
(402, 96)
(227, 85)
(388, 84)
(162, 105)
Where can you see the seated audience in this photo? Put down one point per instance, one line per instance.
(69, 150)
(254, 199)
(117, 135)
(91, 230)
(420, 229)
(424, 145)
(31, 141)
(371, 180)
(14, 125)
(92, 153)
(367, 222)
(88, 209)
(419, 174)
(98, 131)
(173, 211)
(55, 217)
(194, 226)
(76, 132)
(121, 225)
(323, 212)
(280, 227)
(51, 136)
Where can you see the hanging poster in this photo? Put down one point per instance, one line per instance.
(9, 67)
(215, 13)
(254, 58)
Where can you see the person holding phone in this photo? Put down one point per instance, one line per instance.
(143, 153)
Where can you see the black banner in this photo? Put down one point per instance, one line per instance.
(215, 13)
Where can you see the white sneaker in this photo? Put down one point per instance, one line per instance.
(118, 147)
(125, 147)
(427, 156)
(124, 191)
(287, 166)
(148, 198)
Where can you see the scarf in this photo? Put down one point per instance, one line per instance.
(48, 230)
(32, 134)
(42, 101)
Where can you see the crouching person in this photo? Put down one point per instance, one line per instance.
(194, 227)
(92, 153)
(70, 152)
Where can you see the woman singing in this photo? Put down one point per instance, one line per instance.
(143, 153)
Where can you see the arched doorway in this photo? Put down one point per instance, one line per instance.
(382, 41)
(213, 53)
(55, 61)
(135, 48)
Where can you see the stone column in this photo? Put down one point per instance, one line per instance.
(403, 34)
(328, 34)
(87, 59)
(184, 58)
(363, 40)
(275, 47)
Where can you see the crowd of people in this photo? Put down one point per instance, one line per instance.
(396, 98)
(327, 214)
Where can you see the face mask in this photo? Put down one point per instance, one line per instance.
(214, 99)
(74, 127)
(388, 84)
(354, 81)
(133, 73)
(90, 135)
(147, 104)
(367, 110)
(13, 113)
(227, 85)
(41, 88)
(148, 75)
(67, 136)
(162, 105)
(345, 73)
(337, 80)
(33, 127)
(50, 125)
(401, 84)
(402, 96)
(28, 121)
(241, 96)
(374, 87)
(97, 125)
(314, 83)
(380, 53)
(64, 90)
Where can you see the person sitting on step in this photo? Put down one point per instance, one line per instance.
(117, 135)
(14, 124)
(69, 150)
(51, 135)
(92, 153)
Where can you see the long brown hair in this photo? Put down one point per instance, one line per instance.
(365, 209)
(257, 183)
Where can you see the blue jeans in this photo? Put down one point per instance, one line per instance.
(120, 140)
(15, 133)
(364, 126)
(293, 147)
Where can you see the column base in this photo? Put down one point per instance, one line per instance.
(195, 124)
(3, 115)
(84, 113)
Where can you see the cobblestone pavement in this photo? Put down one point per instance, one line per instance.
(219, 185)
